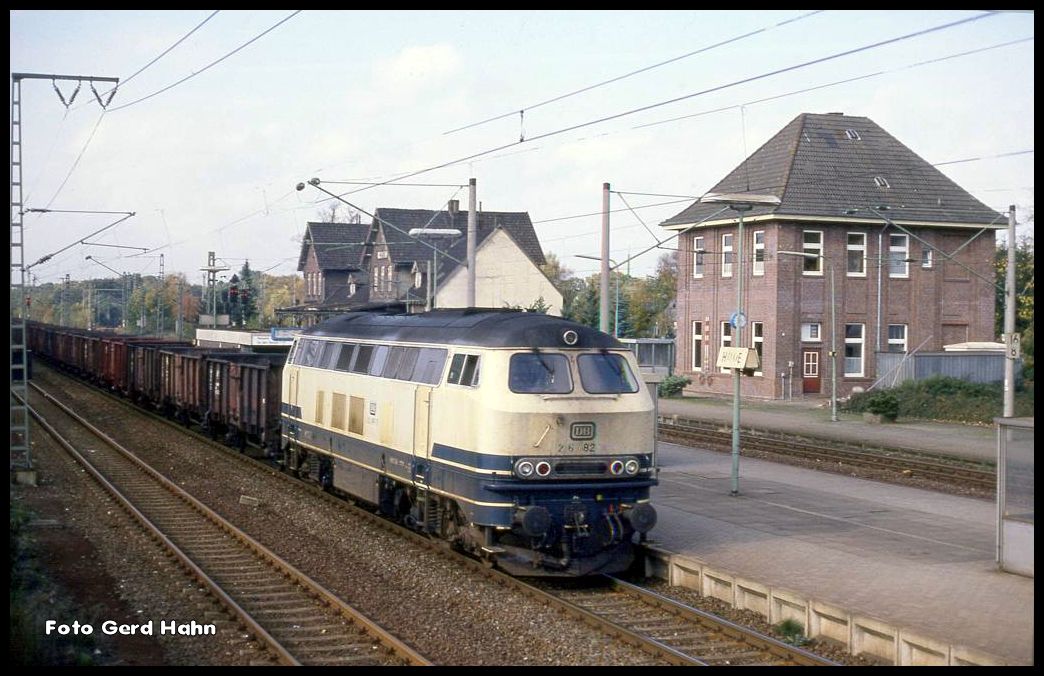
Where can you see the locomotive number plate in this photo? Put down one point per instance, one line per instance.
(580, 447)
(582, 431)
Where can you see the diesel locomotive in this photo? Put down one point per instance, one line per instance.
(522, 438)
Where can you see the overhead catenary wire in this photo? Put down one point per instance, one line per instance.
(639, 71)
(110, 93)
(211, 64)
(717, 88)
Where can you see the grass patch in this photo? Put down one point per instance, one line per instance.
(792, 632)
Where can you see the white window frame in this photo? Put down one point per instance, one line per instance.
(697, 345)
(897, 341)
(904, 250)
(758, 267)
(927, 258)
(816, 249)
(726, 254)
(697, 257)
(861, 342)
(417, 280)
(351, 289)
(725, 341)
(758, 342)
(382, 253)
(850, 248)
(806, 332)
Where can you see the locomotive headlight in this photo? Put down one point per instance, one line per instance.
(543, 468)
(631, 467)
(524, 468)
(616, 467)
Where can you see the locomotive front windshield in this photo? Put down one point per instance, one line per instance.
(540, 374)
(606, 374)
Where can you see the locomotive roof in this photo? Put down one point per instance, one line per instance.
(487, 327)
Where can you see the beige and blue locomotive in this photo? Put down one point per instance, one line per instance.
(522, 438)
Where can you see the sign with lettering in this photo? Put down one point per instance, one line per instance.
(738, 358)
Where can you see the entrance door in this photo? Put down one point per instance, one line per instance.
(810, 379)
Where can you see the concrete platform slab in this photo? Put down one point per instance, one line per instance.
(900, 572)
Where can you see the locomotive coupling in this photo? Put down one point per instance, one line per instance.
(534, 520)
(642, 517)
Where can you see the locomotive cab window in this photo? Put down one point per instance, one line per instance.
(464, 370)
(606, 374)
(539, 373)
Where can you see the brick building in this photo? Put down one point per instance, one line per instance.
(910, 252)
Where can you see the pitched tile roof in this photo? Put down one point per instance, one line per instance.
(823, 164)
(338, 246)
(403, 249)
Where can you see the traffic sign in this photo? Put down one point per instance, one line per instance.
(738, 320)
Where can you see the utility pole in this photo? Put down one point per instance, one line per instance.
(20, 455)
(180, 321)
(1011, 342)
(603, 296)
(159, 300)
(61, 306)
(472, 238)
(212, 269)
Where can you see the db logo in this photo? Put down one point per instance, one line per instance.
(582, 431)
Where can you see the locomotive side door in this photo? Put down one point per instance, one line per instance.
(421, 434)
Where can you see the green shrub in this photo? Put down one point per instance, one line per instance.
(673, 385)
(884, 403)
(943, 398)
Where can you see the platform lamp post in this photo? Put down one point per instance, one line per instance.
(833, 329)
(616, 312)
(740, 203)
(434, 233)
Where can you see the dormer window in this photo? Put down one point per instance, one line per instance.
(852, 134)
(881, 182)
(351, 289)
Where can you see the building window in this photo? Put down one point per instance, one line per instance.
(898, 252)
(854, 350)
(382, 254)
(897, 337)
(812, 246)
(758, 333)
(852, 134)
(759, 253)
(926, 258)
(697, 346)
(810, 333)
(351, 289)
(881, 182)
(697, 257)
(726, 339)
(856, 254)
(417, 279)
(726, 255)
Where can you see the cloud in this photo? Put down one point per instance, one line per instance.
(417, 70)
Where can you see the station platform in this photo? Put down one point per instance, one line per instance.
(811, 417)
(904, 574)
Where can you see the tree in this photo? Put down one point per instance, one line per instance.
(1024, 277)
(329, 214)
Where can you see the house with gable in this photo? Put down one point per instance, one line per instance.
(334, 259)
(508, 257)
(908, 252)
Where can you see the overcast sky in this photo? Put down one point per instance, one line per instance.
(211, 164)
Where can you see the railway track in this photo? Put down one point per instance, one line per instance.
(901, 462)
(680, 635)
(691, 635)
(299, 621)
